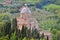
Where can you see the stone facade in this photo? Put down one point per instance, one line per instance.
(26, 20)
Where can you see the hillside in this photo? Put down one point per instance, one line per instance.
(46, 12)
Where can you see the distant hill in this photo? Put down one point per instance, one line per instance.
(40, 14)
(47, 2)
(44, 18)
(51, 7)
(38, 3)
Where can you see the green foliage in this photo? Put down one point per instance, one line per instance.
(47, 24)
(33, 1)
(13, 24)
(54, 37)
(13, 36)
(58, 35)
(58, 13)
(4, 16)
(32, 39)
(24, 38)
(4, 38)
(51, 7)
(54, 31)
(1, 28)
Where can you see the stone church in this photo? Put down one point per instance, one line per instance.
(27, 20)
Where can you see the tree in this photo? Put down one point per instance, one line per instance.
(13, 36)
(13, 24)
(58, 35)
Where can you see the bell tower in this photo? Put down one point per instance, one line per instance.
(27, 20)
